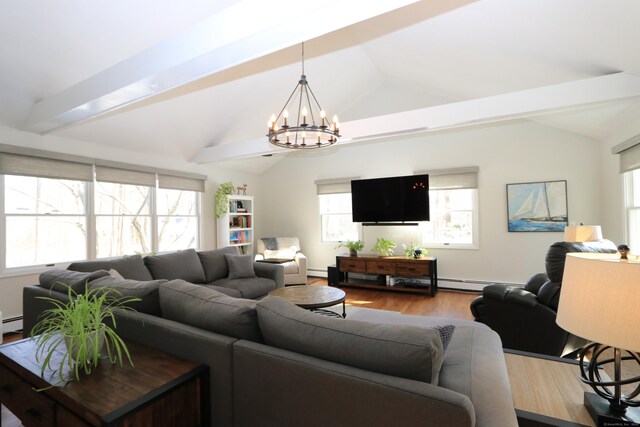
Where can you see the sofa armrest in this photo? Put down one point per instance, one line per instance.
(274, 272)
(258, 257)
(301, 260)
(33, 307)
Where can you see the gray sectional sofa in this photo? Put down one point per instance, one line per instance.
(274, 364)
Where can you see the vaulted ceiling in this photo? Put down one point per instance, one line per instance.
(198, 80)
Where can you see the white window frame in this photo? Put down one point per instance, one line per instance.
(358, 225)
(454, 179)
(90, 218)
(629, 185)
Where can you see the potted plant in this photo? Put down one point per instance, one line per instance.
(353, 246)
(413, 250)
(222, 198)
(80, 325)
(383, 247)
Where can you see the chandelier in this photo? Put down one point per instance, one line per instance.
(309, 127)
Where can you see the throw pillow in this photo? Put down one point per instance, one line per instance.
(60, 280)
(129, 266)
(240, 266)
(147, 291)
(288, 253)
(214, 263)
(183, 265)
(404, 351)
(202, 307)
(114, 273)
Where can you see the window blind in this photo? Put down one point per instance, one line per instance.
(173, 182)
(453, 178)
(125, 176)
(16, 164)
(334, 186)
(629, 152)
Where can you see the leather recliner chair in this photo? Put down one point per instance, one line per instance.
(525, 318)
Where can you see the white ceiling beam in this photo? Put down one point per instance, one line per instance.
(247, 30)
(521, 104)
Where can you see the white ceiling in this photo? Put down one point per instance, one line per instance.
(69, 58)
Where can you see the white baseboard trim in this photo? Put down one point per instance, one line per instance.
(12, 324)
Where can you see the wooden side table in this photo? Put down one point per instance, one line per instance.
(547, 390)
(160, 390)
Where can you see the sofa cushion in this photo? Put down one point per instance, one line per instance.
(240, 266)
(60, 280)
(214, 263)
(183, 265)
(404, 351)
(253, 287)
(146, 291)
(286, 253)
(130, 267)
(205, 308)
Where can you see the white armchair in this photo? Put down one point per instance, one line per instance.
(284, 251)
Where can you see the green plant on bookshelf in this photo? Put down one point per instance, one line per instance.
(353, 246)
(77, 329)
(383, 247)
(222, 198)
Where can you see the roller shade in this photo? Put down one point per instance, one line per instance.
(334, 186)
(125, 176)
(451, 179)
(629, 152)
(16, 164)
(172, 182)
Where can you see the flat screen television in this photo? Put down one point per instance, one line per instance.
(395, 199)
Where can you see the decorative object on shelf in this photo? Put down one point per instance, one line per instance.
(242, 188)
(222, 198)
(311, 128)
(383, 247)
(624, 251)
(413, 250)
(582, 233)
(537, 206)
(80, 324)
(599, 301)
(353, 246)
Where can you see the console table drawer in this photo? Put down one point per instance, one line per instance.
(353, 266)
(377, 267)
(33, 408)
(412, 269)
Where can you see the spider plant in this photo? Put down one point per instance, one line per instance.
(81, 325)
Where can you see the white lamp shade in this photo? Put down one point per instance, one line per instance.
(582, 233)
(600, 299)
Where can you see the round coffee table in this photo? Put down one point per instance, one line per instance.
(313, 297)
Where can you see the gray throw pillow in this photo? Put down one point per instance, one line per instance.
(240, 266)
(404, 351)
(199, 306)
(215, 264)
(147, 291)
(183, 265)
(129, 266)
(60, 280)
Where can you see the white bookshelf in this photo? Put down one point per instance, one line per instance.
(235, 228)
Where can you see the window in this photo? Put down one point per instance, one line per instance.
(452, 215)
(632, 202)
(57, 208)
(177, 219)
(453, 208)
(335, 218)
(123, 219)
(334, 196)
(45, 220)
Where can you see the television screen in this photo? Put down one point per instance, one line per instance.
(401, 198)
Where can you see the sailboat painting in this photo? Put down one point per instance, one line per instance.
(537, 206)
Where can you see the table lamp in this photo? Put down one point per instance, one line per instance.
(600, 301)
(582, 233)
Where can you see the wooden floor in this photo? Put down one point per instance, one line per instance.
(445, 303)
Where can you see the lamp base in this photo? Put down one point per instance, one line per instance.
(601, 413)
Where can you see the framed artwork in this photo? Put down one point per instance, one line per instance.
(537, 206)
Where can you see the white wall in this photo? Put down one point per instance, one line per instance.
(509, 153)
(11, 286)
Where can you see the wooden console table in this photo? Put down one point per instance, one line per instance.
(425, 267)
(161, 390)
